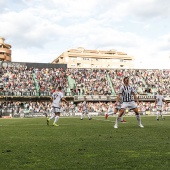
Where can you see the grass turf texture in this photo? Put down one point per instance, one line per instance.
(84, 144)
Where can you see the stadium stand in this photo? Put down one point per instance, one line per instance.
(32, 86)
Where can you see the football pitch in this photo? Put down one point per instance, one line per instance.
(28, 143)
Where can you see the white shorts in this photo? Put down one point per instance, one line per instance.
(118, 107)
(130, 105)
(56, 109)
(159, 108)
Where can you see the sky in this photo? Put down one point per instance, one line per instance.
(39, 31)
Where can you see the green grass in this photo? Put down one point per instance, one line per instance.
(84, 145)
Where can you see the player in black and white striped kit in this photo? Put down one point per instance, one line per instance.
(126, 92)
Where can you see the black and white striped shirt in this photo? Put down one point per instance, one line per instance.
(126, 93)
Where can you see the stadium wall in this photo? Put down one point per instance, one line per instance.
(36, 65)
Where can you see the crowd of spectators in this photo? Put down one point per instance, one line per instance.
(19, 106)
(95, 81)
(136, 78)
(45, 107)
(146, 82)
(158, 79)
(102, 107)
(90, 81)
(50, 78)
(23, 81)
(17, 81)
(20, 81)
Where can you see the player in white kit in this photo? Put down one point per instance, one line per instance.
(112, 111)
(159, 104)
(56, 98)
(85, 110)
(125, 93)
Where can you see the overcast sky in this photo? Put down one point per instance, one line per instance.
(40, 30)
